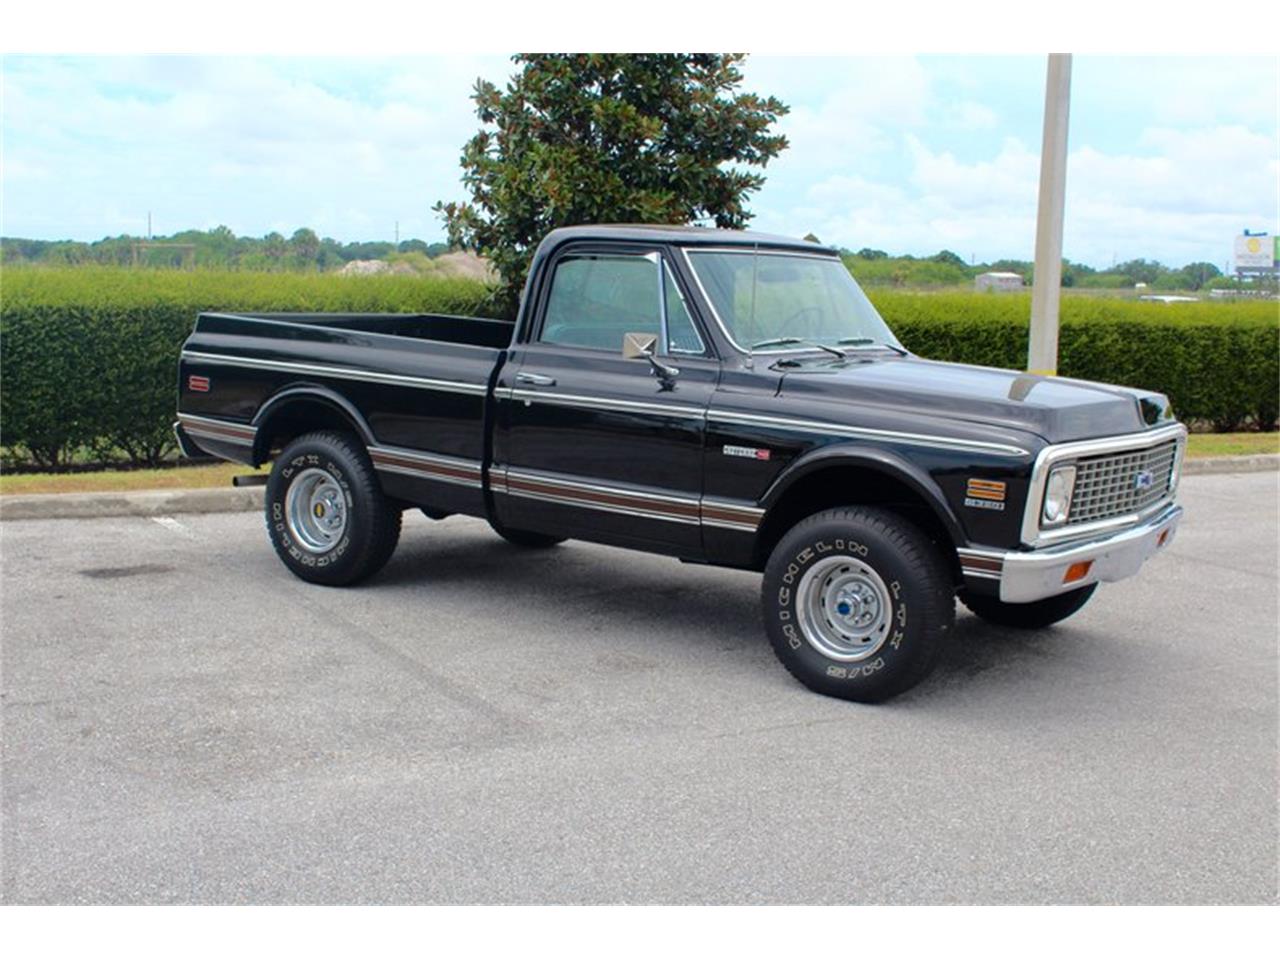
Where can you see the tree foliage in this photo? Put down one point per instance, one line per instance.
(220, 247)
(601, 138)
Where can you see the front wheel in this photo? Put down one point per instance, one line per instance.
(1029, 616)
(858, 603)
(327, 516)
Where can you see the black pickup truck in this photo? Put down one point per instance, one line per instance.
(722, 397)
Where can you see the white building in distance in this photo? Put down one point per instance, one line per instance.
(997, 280)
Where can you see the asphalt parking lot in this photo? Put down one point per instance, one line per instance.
(184, 722)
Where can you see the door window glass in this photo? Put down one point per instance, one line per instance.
(595, 300)
(683, 334)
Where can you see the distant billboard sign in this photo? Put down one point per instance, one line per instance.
(1255, 252)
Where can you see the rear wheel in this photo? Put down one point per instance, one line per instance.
(326, 514)
(1029, 616)
(858, 603)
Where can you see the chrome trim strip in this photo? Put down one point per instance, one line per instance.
(750, 419)
(603, 507)
(733, 515)
(981, 552)
(1054, 454)
(980, 563)
(427, 466)
(220, 437)
(727, 525)
(642, 503)
(866, 433)
(342, 373)
(603, 403)
(192, 420)
(592, 487)
(209, 428)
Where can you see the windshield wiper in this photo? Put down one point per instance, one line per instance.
(785, 341)
(868, 342)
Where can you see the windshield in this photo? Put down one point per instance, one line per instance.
(776, 300)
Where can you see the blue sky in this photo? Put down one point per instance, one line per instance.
(1169, 157)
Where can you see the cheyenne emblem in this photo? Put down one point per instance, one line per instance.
(751, 453)
(985, 494)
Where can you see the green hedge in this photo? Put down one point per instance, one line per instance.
(88, 356)
(1219, 363)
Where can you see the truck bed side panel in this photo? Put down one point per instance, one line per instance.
(422, 401)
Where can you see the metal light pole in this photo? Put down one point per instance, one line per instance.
(1042, 354)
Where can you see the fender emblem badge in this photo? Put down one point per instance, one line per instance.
(751, 453)
(985, 494)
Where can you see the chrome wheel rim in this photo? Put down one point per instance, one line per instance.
(844, 608)
(316, 510)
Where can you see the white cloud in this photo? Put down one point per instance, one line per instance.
(901, 153)
(227, 139)
(1181, 198)
(970, 115)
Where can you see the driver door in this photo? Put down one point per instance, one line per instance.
(593, 445)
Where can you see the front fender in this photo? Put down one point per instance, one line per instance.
(891, 465)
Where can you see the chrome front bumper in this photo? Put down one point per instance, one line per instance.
(1036, 574)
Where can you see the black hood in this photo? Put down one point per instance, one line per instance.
(1056, 408)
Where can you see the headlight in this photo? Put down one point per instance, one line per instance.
(1057, 496)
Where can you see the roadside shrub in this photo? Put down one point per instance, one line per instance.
(1218, 362)
(88, 356)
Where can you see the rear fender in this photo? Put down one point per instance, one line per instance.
(294, 397)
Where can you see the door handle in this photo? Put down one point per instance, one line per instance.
(535, 380)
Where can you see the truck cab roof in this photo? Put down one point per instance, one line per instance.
(679, 235)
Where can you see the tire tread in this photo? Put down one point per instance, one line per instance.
(916, 552)
(382, 525)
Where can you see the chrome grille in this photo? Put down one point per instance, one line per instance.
(1108, 486)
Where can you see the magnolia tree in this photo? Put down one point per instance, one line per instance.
(608, 138)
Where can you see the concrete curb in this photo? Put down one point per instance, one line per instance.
(148, 503)
(1251, 464)
(156, 503)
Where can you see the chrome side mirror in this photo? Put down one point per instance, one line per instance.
(636, 346)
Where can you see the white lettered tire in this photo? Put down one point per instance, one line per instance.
(858, 603)
(326, 514)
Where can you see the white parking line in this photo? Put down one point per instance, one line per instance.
(176, 526)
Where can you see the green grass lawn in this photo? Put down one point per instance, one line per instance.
(220, 474)
(1232, 444)
(106, 481)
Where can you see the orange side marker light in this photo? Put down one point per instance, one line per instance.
(1077, 571)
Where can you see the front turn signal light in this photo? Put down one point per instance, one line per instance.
(1077, 571)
